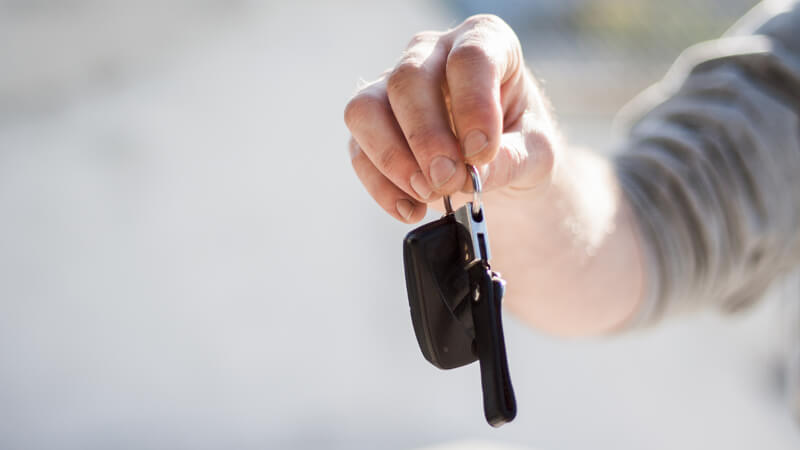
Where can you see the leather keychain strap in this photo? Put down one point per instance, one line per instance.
(499, 403)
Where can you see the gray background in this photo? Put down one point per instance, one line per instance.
(187, 260)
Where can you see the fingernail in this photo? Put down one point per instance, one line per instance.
(405, 208)
(420, 185)
(474, 143)
(354, 150)
(442, 169)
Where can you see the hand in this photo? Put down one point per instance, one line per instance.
(455, 97)
(464, 96)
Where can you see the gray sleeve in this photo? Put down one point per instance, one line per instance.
(712, 168)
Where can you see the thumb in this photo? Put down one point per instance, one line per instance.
(525, 159)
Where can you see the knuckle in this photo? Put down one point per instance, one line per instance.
(478, 105)
(388, 159)
(402, 75)
(427, 140)
(469, 54)
(361, 107)
(484, 20)
(421, 38)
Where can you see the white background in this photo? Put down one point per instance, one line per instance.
(187, 260)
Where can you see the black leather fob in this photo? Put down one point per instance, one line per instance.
(438, 293)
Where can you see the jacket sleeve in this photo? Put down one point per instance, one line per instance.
(712, 168)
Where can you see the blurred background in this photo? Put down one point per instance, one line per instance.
(188, 261)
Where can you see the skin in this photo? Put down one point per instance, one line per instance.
(562, 233)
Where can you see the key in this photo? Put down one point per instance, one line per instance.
(499, 403)
(455, 300)
(438, 293)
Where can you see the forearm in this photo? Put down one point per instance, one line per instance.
(569, 250)
(701, 209)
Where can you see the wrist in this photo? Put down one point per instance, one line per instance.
(568, 248)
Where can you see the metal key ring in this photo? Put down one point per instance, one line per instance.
(476, 190)
(477, 204)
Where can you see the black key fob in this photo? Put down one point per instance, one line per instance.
(455, 300)
(438, 289)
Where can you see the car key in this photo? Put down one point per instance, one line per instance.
(499, 403)
(455, 300)
(438, 293)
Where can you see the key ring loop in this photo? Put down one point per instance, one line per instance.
(448, 205)
(477, 204)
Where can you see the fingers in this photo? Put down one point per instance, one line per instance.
(373, 126)
(454, 97)
(414, 89)
(390, 197)
(485, 54)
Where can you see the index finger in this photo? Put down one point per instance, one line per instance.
(415, 93)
